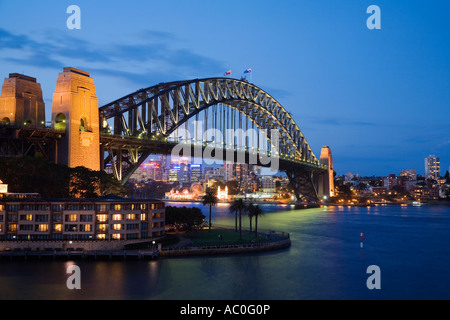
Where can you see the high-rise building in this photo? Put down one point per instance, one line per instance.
(173, 174)
(183, 173)
(390, 181)
(196, 172)
(432, 167)
(229, 171)
(268, 184)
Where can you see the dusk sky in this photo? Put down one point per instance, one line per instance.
(379, 98)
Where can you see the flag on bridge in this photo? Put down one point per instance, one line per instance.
(227, 73)
(248, 71)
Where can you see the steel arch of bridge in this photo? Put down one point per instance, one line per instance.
(153, 114)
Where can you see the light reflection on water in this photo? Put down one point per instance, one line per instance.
(325, 261)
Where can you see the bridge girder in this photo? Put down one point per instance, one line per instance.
(146, 118)
(164, 108)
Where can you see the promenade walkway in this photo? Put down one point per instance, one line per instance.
(199, 244)
(187, 247)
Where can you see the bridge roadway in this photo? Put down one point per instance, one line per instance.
(165, 147)
(303, 175)
(23, 141)
(27, 141)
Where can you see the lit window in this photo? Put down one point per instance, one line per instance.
(102, 207)
(72, 218)
(117, 217)
(101, 236)
(43, 228)
(143, 216)
(116, 236)
(12, 228)
(117, 207)
(102, 217)
(131, 216)
(101, 227)
(117, 227)
(58, 227)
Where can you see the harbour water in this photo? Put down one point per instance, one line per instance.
(410, 245)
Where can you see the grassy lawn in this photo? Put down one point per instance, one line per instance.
(230, 237)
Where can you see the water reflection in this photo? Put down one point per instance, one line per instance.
(325, 261)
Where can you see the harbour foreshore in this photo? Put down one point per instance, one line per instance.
(112, 250)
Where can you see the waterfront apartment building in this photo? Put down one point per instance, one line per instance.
(432, 167)
(109, 218)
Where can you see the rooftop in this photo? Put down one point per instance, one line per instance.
(33, 198)
(21, 76)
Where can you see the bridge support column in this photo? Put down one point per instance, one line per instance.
(305, 185)
(326, 179)
(75, 111)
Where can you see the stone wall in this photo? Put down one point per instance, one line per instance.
(231, 249)
(64, 245)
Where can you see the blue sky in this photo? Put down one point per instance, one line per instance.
(379, 98)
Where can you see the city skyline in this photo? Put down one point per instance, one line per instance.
(378, 98)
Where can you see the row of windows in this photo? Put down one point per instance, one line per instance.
(77, 228)
(78, 218)
(80, 207)
(117, 236)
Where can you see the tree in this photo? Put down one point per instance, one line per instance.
(192, 218)
(255, 211)
(250, 208)
(361, 186)
(210, 199)
(233, 187)
(37, 175)
(84, 183)
(110, 185)
(238, 207)
(343, 190)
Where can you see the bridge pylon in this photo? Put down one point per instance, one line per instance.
(21, 102)
(75, 111)
(326, 179)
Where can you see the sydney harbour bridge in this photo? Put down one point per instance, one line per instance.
(216, 118)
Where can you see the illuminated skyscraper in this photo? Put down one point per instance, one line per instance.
(432, 167)
(196, 172)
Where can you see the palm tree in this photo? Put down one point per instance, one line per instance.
(255, 211)
(210, 199)
(238, 206)
(250, 209)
